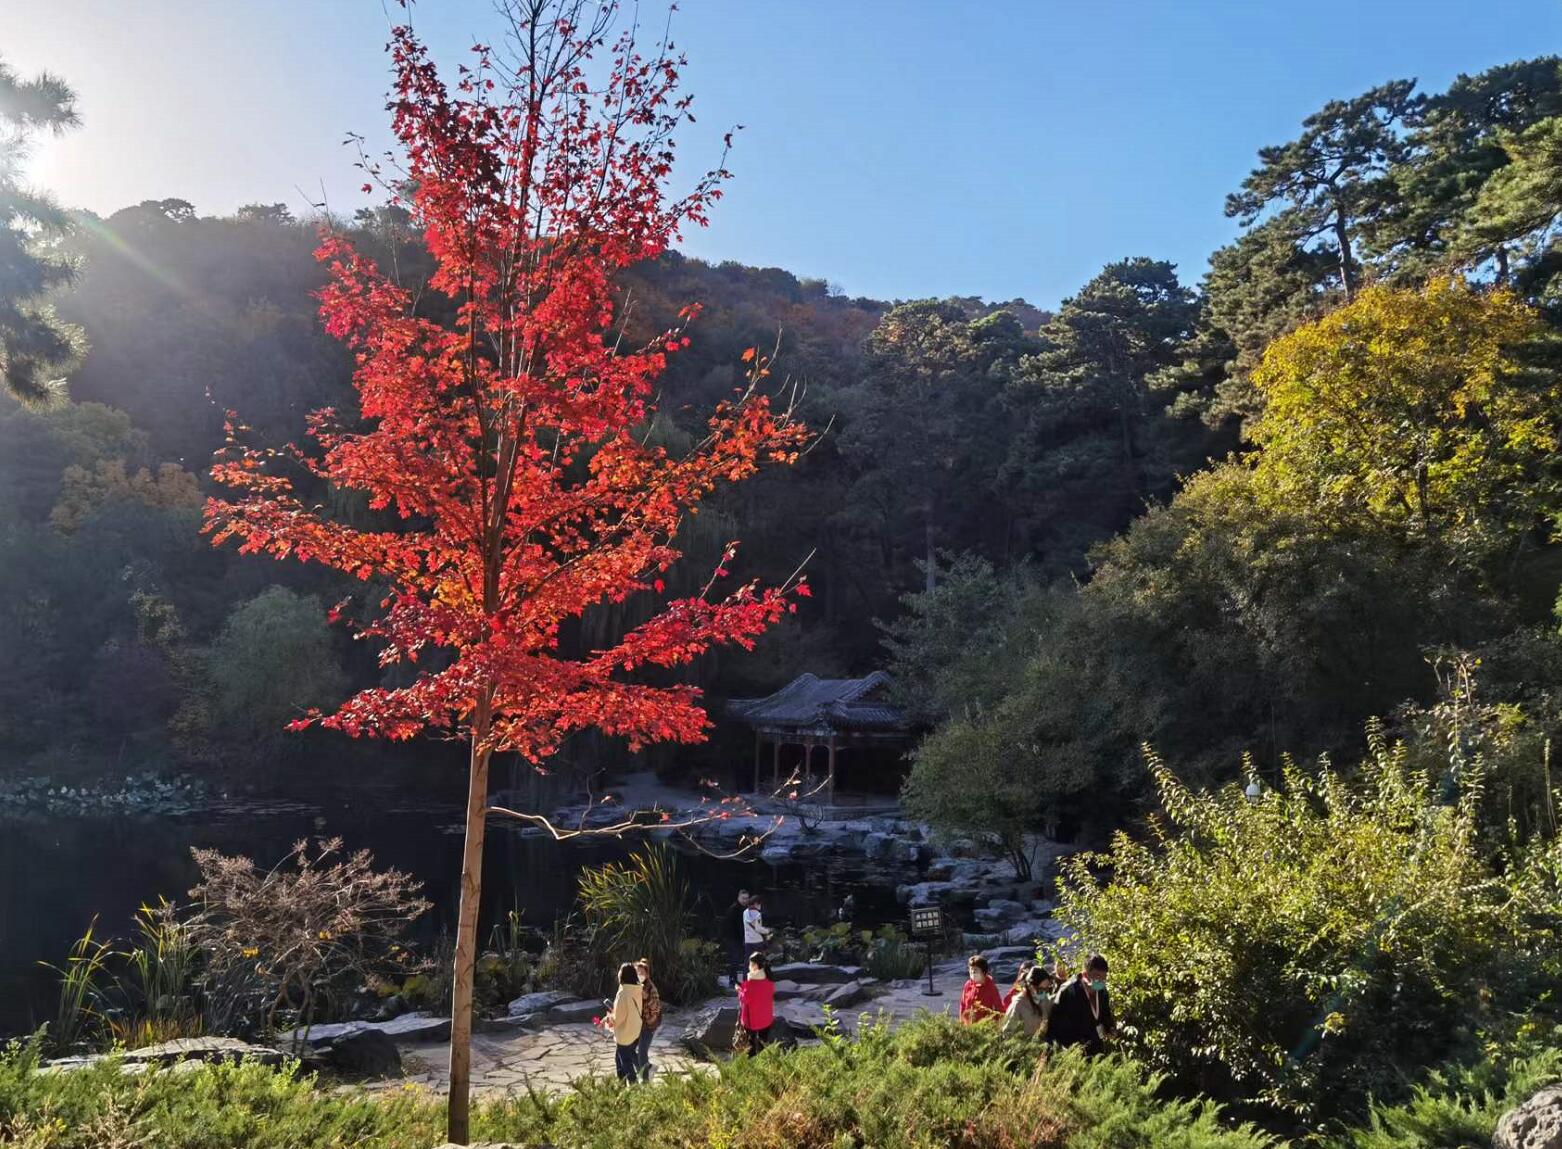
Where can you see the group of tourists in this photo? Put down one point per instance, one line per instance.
(636, 1010)
(1044, 1004)
(633, 1020)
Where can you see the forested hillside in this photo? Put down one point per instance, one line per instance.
(1007, 490)
(1380, 547)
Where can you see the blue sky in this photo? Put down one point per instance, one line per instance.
(897, 149)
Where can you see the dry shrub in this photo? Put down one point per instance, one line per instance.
(312, 925)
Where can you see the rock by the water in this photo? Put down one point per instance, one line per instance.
(815, 973)
(536, 1002)
(1011, 953)
(1537, 1124)
(787, 989)
(710, 1031)
(203, 1049)
(407, 1027)
(1013, 911)
(878, 847)
(414, 1027)
(776, 855)
(845, 996)
(363, 1053)
(1000, 912)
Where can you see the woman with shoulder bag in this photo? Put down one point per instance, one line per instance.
(650, 1016)
(756, 1006)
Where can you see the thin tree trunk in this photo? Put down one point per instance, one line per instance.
(458, 1115)
(1347, 262)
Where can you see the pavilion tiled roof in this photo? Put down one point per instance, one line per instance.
(812, 703)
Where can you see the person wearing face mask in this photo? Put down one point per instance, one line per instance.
(1030, 1006)
(979, 1000)
(1082, 1011)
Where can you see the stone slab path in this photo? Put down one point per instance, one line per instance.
(550, 1060)
(547, 1061)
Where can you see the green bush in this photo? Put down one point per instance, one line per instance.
(1322, 943)
(628, 910)
(930, 1083)
(886, 953)
(1456, 1107)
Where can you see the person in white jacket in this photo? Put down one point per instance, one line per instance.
(755, 935)
(624, 1023)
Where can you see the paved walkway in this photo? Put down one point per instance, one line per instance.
(547, 1061)
(553, 1058)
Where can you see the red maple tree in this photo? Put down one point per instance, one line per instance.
(500, 434)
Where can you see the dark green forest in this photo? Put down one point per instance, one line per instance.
(1068, 534)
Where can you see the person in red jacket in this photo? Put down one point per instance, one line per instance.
(979, 1001)
(757, 1003)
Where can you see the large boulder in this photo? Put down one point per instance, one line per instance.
(410, 1027)
(878, 847)
(710, 1031)
(783, 1033)
(168, 1053)
(414, 1027)
(536, 1002)
(815, 973)
(846, 996)
(363, 1053)
(208, 1049)
(1010, 910)
(1537, 1124)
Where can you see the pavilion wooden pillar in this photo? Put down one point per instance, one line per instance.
(830, 778)
(759, 750)
(775, 766)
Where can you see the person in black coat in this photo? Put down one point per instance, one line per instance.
(732, 931)
(1082, 1014)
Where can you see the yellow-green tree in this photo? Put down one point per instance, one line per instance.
(1415, 409)
(1316, 944)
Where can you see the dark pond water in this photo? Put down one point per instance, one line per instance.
(57, 875)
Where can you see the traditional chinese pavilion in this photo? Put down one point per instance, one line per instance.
(840, 716)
